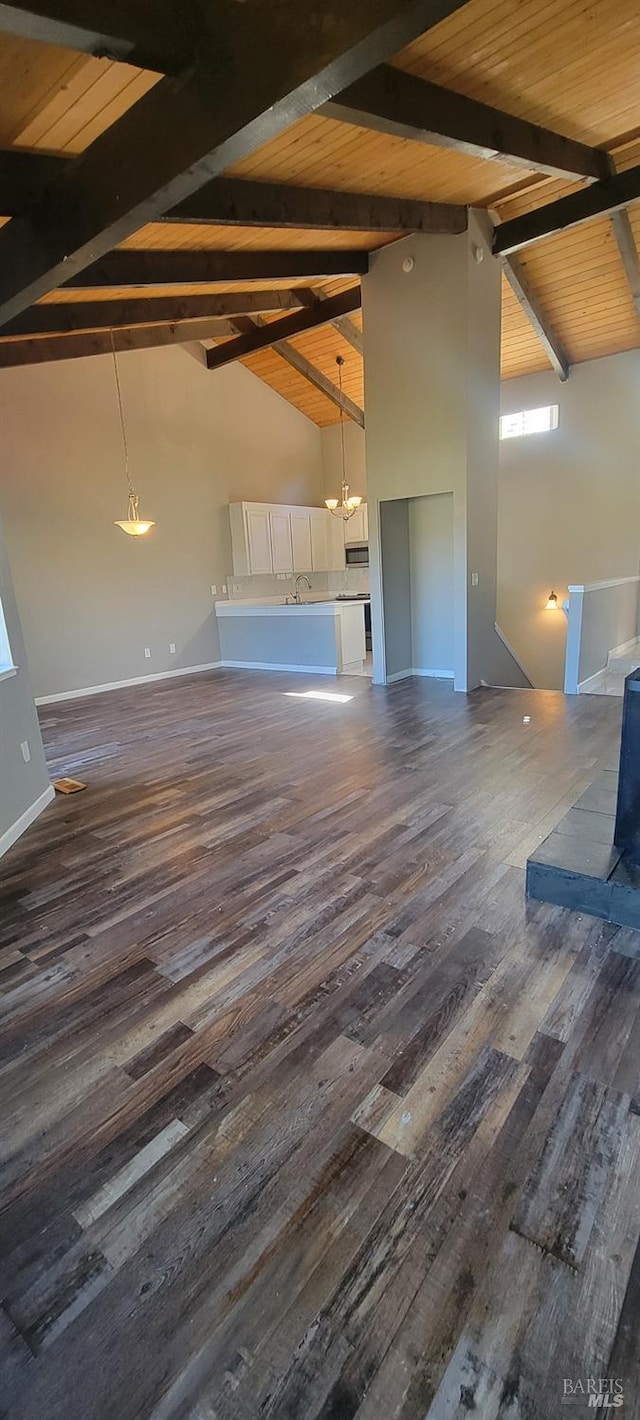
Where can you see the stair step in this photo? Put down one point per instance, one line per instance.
(624, 665)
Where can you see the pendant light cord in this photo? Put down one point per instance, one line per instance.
(340, 363)
(123, 431)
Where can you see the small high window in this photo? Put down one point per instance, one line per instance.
(529, 421)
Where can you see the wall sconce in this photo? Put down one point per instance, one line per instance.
(552, 602)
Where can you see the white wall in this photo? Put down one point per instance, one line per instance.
(23, 787)
(354, 459)
(91, 598)
(569, 502)
(431, 561)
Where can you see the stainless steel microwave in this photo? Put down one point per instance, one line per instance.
(356, 554)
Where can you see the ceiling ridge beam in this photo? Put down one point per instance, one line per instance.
(243, 203)
(602, 199)
(264, 334)
(151, 34)
(260, 68)
(392, 101)
(65, 317)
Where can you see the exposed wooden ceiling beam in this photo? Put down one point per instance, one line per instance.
(626, 242)
(600, 200)
(315, 377)
(154, 34)
(206, 268)
(391, 101)
(261, 336)
(627, 249)
(287, 352)
(40, 349)
(349, 332)
(343, 324)
(522, 290)
(265, 67)
(64, 317)
(236, 202)
(22, 175)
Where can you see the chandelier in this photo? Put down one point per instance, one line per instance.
(347, 504)
(133, 524)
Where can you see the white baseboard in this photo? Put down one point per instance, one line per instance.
(592, 683)
(122, 684)
(26, 819)
(418, 671)
(269, 666)
(508, 647)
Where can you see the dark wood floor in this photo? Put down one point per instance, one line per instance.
(305, 1112)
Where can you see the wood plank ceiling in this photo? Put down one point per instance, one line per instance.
(567, 65)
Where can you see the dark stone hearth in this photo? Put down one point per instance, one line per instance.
(627, 833)
(591, 860)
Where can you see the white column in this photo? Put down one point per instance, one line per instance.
(431, 316)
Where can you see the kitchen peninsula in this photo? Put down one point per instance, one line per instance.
(325, 637)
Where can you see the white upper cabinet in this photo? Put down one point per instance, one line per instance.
(302, 520)
(336, 527)
(259, 540)
(356, 529)
(271, 537)
(320, 552)
(282, 551)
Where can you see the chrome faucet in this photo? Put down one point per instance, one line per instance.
(302, 577)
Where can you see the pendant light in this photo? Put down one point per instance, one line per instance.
(133, 524)
(346, 505)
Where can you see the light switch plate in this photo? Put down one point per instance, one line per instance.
(474, 579)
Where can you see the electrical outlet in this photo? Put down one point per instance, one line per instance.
(172, 648)
(25, 751)
(474, 579)
(147, 653)
(214, 590)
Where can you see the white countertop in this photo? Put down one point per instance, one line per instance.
(265, 607)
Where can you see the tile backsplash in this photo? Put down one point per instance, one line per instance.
(353, 579)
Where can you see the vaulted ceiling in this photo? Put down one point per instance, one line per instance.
(172, 258)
